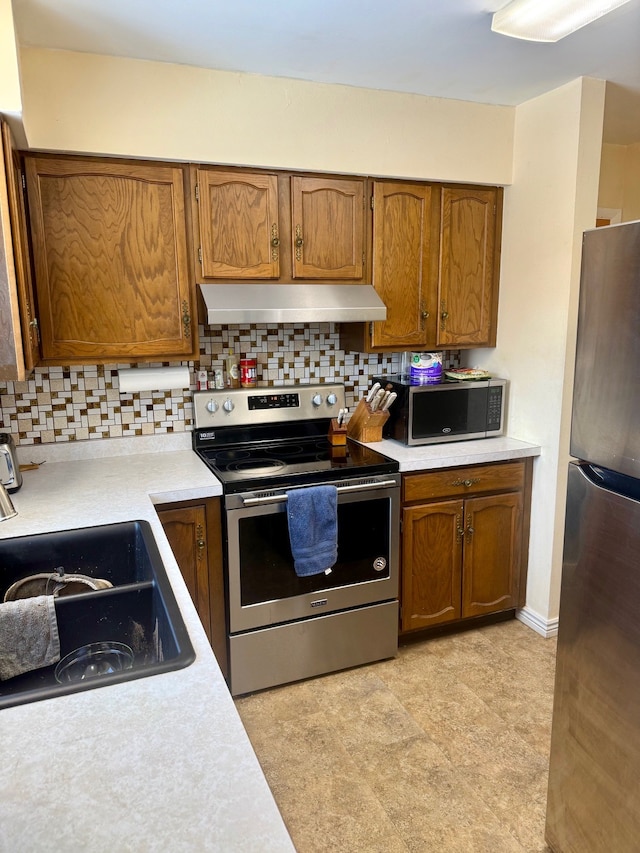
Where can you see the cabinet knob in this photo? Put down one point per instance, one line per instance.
(424, 315)
(444, 315)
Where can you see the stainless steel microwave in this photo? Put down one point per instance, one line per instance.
(451, 410)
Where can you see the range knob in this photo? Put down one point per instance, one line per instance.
(317, 400)
(228, 405)
(332, 399)
(212, 407)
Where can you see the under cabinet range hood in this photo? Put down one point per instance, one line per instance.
(291, 303)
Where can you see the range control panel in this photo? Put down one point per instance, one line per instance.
(274, 401)
(275, 404)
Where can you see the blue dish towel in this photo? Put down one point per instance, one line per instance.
(312, 513)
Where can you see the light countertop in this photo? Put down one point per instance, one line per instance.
(455, 453)
(161, 763)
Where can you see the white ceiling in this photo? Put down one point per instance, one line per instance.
(443, 48)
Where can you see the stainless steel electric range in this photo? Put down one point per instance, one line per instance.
(262, 443)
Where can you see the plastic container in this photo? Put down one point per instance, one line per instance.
(248, 372)
(233, 371)
(201, 380)
(426, 367)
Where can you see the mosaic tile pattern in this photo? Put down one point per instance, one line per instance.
(79, 402)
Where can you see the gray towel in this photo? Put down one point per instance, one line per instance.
(28, 635)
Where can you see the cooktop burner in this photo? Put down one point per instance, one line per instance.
(277, 437)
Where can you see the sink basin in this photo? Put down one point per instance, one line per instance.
(139, 610)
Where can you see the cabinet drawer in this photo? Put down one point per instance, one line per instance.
(460, 482)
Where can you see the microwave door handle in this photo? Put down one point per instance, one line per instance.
(355, 487)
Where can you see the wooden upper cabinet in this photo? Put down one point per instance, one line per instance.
(436, 252)
(260, 226)
(402, 256)
(468, 279)
(239, 232)
(328, 228)
(110, 255)
(19, 337)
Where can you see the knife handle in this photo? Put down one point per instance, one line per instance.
(390, 399)
(372, 393)
(377, 400)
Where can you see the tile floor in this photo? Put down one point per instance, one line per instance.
(442, 750)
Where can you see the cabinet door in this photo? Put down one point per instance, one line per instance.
(492, 553)
(238, 225)
(402, 249)
(25, 338)
(110, 252)
(468, 289)
(186, 531)
(431, 564)
(328, 233)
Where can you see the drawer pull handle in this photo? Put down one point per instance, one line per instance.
(275, 242)
(299, 242)
(469, 482)
(200, 541)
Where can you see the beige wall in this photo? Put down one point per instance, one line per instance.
(10, 97)
(620, 180)
(83, 103)
(552, 201)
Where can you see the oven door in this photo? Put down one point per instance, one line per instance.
(263, 586)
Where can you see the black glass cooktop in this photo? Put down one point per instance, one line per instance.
(297, 460)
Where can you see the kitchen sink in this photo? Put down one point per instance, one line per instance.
(139, 610)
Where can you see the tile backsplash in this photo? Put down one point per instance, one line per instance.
(78, 402)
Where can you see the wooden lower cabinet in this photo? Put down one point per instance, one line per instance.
(465, 534)
(194, 531)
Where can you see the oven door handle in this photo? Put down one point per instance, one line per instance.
(356, 487)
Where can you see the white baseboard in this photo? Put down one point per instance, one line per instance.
(545, 627)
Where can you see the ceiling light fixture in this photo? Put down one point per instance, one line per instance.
(549, 20)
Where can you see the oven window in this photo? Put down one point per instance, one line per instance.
(450, 412)
(266, 563)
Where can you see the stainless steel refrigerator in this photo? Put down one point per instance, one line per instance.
(593, 801)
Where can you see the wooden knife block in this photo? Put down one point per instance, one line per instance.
(337, 433)
(365, 425)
